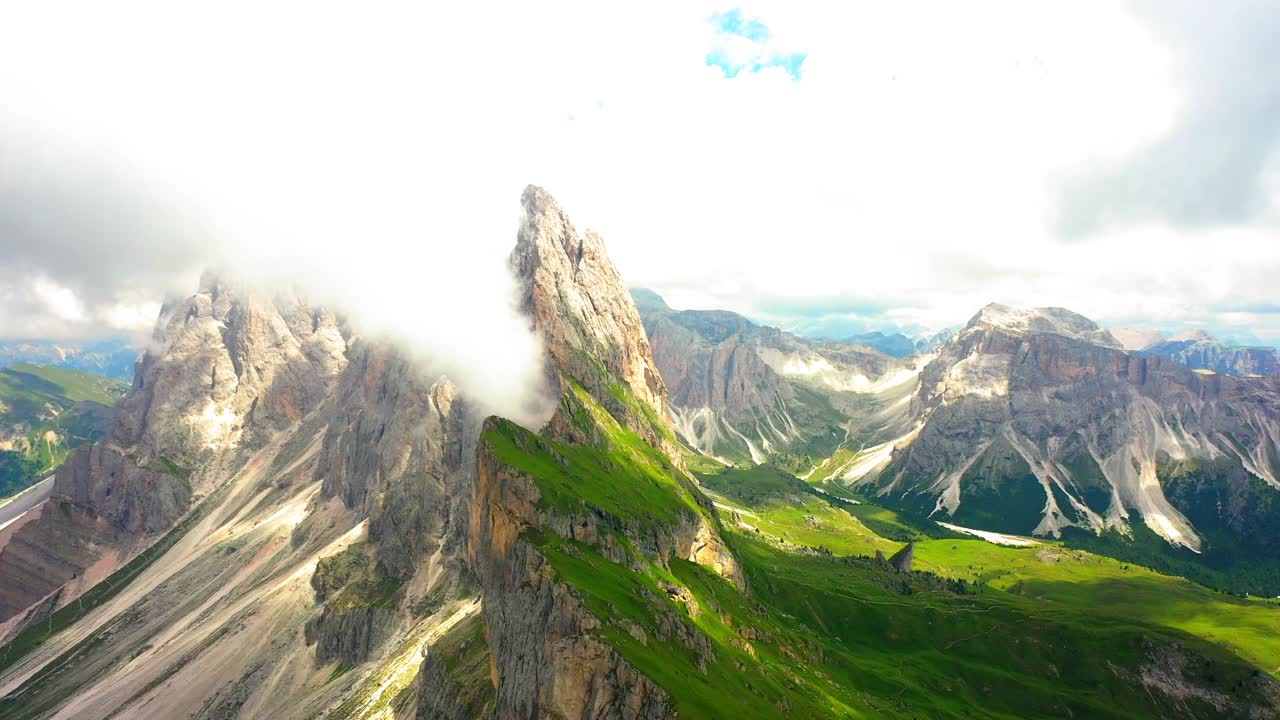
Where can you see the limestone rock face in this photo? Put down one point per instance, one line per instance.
(401, 452)
(131, 499)
(545, 660)
(1134, 339)
(227, 368)
(709, 359)
(1034, 420)
(579, 306)
(349, 635)
(225, 363)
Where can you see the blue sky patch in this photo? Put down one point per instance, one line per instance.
(732, 23)
(733, 56)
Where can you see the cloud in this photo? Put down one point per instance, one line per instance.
(1217, 164)
(747, 44)
(352, 162)
(914, 173)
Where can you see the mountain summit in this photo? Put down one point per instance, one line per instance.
(1035, 421)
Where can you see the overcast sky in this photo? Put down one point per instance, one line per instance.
(828, 167)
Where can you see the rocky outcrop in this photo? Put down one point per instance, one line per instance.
(901, 560)
(710, 359)
(547, 658)
(349, 635)
(547, 662)
(455, 682)
(130, 498)
(1134, 339)
(227, 369)
(401, 452)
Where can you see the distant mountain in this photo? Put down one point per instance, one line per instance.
(112, 357)
(899, 345)
(46, 412)
(1132, 339)
(895, 344)
(1035, 421)
(648, 301)
(743, 392)
(1198, 351)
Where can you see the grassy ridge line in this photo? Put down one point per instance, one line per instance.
(75, 385)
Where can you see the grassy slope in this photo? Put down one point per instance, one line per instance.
(824, 636)
(73, 385)
(73, 405)
(1053, 575)
(1237, 560)
(631, 481)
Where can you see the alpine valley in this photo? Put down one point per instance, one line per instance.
(285, 517)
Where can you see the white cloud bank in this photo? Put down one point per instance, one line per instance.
(916, 171)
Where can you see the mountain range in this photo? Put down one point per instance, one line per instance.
(744, 392)
(1198, 351)
(111, 357)
(899, 345)
(290, 519)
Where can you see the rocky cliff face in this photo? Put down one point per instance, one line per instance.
(399, 452)
(325, 480)
(227, 368)
(579, 306)
(1032, 421)
(547, 661)
(742, 392)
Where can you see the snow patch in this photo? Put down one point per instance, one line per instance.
(949, 483)
(992, 537)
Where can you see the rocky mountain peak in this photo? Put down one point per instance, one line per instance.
(579, 306)
(221, 355)
(1132, 339)
(1192, 336)
(228, 370)
(648, 301)
(1050, 320)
